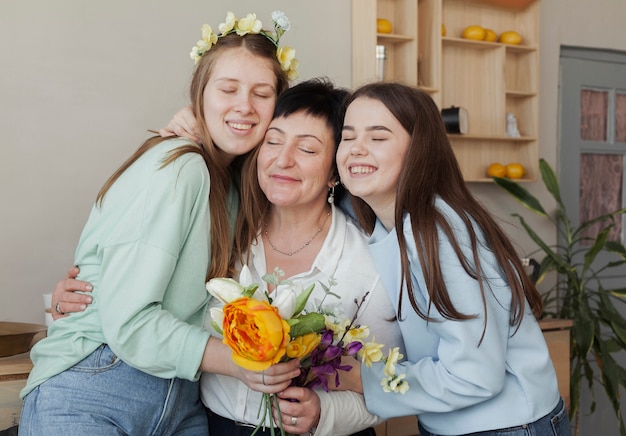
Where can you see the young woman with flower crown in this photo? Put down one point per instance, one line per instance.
(477, 361)
(130, 363)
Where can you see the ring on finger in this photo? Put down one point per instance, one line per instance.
(294, 420)
(57, 308)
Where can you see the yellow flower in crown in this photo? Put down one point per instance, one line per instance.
(249, 25)
(301, 346)
(255, 332)
(227, 26)
(285, 56)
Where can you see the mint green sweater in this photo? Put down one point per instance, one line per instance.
(146, 251)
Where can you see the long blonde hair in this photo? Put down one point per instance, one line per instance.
(221, 170)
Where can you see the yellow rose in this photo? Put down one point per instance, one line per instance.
(302, 346)
(255, 332)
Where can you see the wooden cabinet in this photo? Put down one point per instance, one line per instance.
(488, 79)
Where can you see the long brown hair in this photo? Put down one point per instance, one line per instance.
(220, 170)
(430, 170)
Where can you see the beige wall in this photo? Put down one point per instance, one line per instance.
(82, 80)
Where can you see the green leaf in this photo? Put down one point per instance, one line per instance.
(595, 248)
(521, 194)
(217, 328)
(616, 248)
(583, 333)
(620, 293)
(302, 299)
(551, 182)
(249, 290)
(304, 324)
(554, 257)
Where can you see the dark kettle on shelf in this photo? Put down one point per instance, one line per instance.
(455, 119)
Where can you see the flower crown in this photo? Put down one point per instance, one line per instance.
(250, 25)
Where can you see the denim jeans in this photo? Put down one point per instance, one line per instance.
(555, 423)
(101, 395)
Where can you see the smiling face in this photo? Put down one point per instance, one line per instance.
(239, 100)
(295, 161)
(371, 153)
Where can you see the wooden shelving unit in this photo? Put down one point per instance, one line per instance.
(488, 79)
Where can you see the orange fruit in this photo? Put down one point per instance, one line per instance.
(496, 170)
(473, 32)
(490, 35)
(515, 171)
(383, 25)
(510, 37)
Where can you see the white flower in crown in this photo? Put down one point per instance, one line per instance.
(281, 21)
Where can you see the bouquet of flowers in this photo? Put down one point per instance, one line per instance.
(262, 330)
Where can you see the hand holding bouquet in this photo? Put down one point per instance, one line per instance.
(262, 330)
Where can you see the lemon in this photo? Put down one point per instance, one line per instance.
(496, 170)
(473, 32)
(443, 30)
(510, 37)
(515, 171)
(490, 35)
(383, 25)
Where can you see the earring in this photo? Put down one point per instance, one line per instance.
(331, 195)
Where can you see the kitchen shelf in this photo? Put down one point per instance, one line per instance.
(488, 79)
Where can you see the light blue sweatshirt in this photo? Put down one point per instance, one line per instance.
(457, 386)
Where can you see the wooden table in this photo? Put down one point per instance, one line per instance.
(14, 371)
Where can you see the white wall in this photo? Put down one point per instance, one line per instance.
(80, 82)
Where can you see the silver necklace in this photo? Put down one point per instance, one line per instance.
(306, 244)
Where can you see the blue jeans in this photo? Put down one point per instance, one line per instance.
(555, 423)
(103, 396)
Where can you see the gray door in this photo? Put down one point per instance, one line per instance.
(592, 161)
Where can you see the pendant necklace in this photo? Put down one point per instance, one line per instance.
(306, 244)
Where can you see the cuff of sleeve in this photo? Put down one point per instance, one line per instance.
(192, 353)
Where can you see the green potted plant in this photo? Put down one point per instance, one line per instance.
(598, 330)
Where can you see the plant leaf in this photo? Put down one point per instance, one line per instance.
(551, 182)
(595, 248)
(528, 200)
(302, 299)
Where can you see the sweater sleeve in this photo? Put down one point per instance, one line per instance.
(149, 282)
(343, 413)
